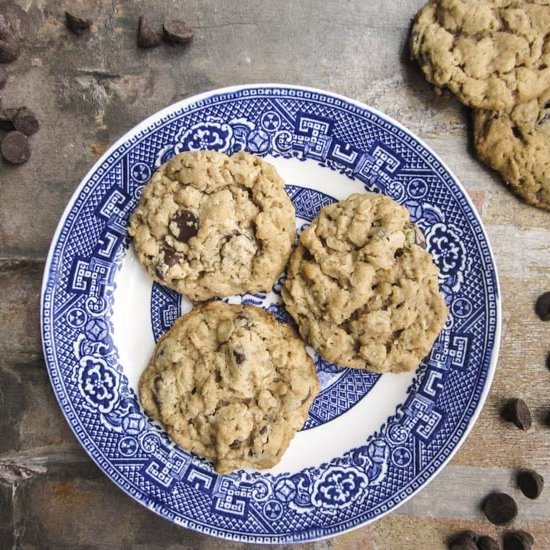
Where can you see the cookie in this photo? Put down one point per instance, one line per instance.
(211, 225)
(517, 145)
(493, 54)
(230, 384)
(363, 292)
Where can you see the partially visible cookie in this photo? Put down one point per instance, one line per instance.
(493, 54)
(518, 146)
(211, 225)
(363, 292)
(231, 384)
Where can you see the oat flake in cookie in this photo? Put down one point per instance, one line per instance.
(211, 225)
(363, 292)
(517, 145)
(493, 54)
(230, 384)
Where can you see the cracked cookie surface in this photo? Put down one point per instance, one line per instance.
(493, 54)
(211, 225)
(517, 145)
(231, 384)
(363, 292)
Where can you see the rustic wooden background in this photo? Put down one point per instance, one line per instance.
(87, 92)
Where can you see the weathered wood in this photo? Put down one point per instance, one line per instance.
(87, 91)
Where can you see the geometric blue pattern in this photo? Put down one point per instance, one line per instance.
(362, 484)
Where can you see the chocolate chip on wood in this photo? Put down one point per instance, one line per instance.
(500, 508)
(542, 307)
(517, 540)
(147, 37)
(25, 121)
(485, 542)
(463, 538)
(77, 25)
(531, 483)
(177, 32)
(517, 411)
(15, 148)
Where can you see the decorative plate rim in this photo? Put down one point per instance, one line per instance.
(154, 118)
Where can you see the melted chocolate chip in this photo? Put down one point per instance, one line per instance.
(308, 257)
(239, 357)
(171, 257)
(236, 444)
(187, 225)
(263, 430)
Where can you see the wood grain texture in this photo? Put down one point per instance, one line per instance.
(87, 92)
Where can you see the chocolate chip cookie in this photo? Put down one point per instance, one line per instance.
(231, 384)
(517, 145)
(491, 54)
(211, 225)
(362, 289)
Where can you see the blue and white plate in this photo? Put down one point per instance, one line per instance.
(370, 441)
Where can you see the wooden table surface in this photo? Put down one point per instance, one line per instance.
(87, 92)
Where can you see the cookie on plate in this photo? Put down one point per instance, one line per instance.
(491, 54)
(362, 288)
(211, 225)
(231, 384)
(517, 145)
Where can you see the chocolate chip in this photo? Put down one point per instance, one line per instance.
(236, 444)
(308, 257)
(239, 357)
(147, 37)
(263, 430)
(171, 256)
(15, 148)
(25, 121)
(9, 44)
(486, 542)
(177, 32)
(3, 77)
(517, 540)
(187, 225)
(77, 25)
(217, 377)
(531, 483)
(6, 118)
(500, 508)
(517, 411)
(464, 538)
(542, 307)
